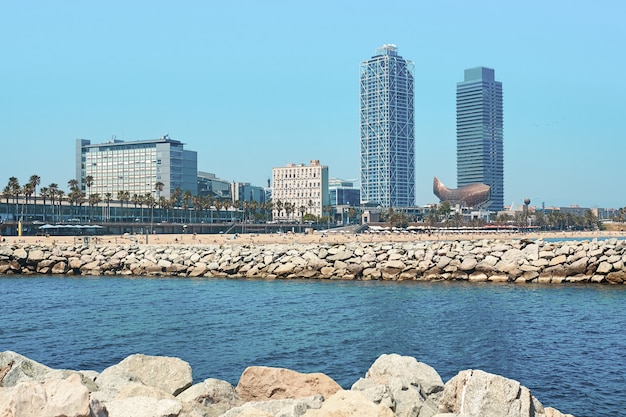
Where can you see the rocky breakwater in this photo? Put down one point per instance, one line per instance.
(480, 260)
(153, 386)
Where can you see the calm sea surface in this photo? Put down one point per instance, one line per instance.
(566, 343)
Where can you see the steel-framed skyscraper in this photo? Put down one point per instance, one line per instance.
(479, 135)
(387, 130)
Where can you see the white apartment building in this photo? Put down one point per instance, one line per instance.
(301, 186)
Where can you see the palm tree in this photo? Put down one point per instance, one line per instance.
(88, 183)
(278, 205)
(352, 212)
(253, 205)
(94, 199)
(220, 204)
(590, 220)
(208, 203)
(186, 204)
(6, 194)
(432, 218)
(164, 203)
(77, 198)
(27, 190)
(149, 200)
(135, 200)
(444, 211)
(73, 184)
(14, 186)
(53, 190)
(107, 199)
(289, 208)
(43, 192)
(457, 219)
(34, 181)
(302, 210)
(198, 206)
(123, 196)
(61, 195)
(174, 199)
(540, 219)
(158, 187)
(328, 209)
(310, 205)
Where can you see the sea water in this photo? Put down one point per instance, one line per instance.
(567, 343)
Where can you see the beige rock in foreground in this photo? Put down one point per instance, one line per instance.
(261, 383)
(55, 397)
(350, 404)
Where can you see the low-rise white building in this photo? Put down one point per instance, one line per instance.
(304, 188)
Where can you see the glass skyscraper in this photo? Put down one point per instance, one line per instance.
(387, 130)
(479, 137)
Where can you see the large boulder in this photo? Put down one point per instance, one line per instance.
(213, 395)
(350, 404)
(15, 368)
(143, 407)
(172, 375)
(475, 393)
(281, 408)
(54, 397)
(414, 387)
(406, 369)
(260, 383)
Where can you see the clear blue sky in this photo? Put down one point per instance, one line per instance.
(252, 85)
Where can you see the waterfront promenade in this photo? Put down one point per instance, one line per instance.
(328, 237)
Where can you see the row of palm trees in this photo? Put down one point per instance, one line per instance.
(187, 206)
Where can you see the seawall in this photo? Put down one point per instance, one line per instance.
(514, 260)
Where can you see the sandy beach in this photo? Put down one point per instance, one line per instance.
(329, 237)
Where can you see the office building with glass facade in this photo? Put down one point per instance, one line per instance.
(343, 193)
(479, 133)
(387, 130)
(136, 167)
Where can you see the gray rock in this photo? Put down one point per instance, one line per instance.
(277, 408)
(604, 268)
(477, 393)
(36, 255)
(171, 375)
(350, 404)
(468, 264)
(214, 393)
(15, 368)
(143, 407)
(377, 393)
(415, 386)
(20, 254)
